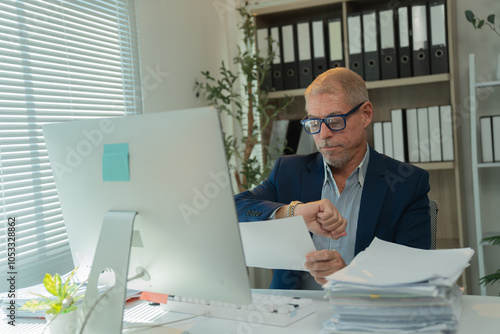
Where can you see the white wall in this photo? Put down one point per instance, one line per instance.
(178, 40)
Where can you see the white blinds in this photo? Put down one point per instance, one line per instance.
(60, 60)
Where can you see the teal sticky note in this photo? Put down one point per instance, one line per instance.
(115, 166)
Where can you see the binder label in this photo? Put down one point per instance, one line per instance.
(438, 36)
(404, 33)
(354, 30)
(370, 32)
(335, 34)
(303, 41)
(318, 39)
(288, 48)
(262, 42)
(387, 30)
(419, 27)
(276, 37)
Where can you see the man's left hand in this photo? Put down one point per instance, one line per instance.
(323, 263)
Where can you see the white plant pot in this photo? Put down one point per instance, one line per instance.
(64, 323)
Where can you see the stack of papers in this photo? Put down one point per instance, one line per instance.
(390, 288)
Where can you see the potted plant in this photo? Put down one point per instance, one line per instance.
(59, 310)
(242, 95)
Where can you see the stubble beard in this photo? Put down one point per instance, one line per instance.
(337, 162)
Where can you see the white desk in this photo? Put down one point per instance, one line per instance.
(480, 315)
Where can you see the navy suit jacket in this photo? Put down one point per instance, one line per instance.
(394, 202)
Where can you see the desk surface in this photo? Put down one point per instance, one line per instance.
(479, 314)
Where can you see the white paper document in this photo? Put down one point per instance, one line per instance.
(384, 263)
(276, 244)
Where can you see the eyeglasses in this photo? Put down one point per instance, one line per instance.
(334, 122)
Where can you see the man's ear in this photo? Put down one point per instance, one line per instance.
(367, 113)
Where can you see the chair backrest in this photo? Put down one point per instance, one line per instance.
(433, 210)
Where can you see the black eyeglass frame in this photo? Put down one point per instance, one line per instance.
(343, 116)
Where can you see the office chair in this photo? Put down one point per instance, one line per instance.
(433, 210)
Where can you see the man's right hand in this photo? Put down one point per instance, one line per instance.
(321, 217)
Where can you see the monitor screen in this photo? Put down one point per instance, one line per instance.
(170, 168)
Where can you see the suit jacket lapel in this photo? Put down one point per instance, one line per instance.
(374, 190)
(312, 180)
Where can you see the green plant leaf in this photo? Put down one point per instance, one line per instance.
(469, 15)
(33, 305)
(480, 24)
(68, 288)
(52, 311)
(493, 240)
(78, 298)
(491, 19)
(70, 309)
(71, 274)
(40, 296)
(56, 306)
(491, 278)
(58, 284)
(50, 284)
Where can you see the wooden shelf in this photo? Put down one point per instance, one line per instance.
(424, 79)
(284, 5)
(436, 165)
(286, 93)
(446, 243)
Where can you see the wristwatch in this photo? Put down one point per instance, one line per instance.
(291, 208)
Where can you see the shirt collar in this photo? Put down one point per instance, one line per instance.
(360, 170)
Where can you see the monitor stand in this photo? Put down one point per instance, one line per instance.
(112, 253)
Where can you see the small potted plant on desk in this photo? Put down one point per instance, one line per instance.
(60, 312)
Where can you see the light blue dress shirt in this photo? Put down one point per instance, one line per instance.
(348, 203)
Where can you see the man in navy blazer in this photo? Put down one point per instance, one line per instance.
(347, 193)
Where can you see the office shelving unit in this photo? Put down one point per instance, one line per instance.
(484, 226)
(411, 92)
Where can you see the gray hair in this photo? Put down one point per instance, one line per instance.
(337, 81)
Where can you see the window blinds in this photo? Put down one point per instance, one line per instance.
(60, 60)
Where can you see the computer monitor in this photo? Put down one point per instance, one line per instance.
(171, 169)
